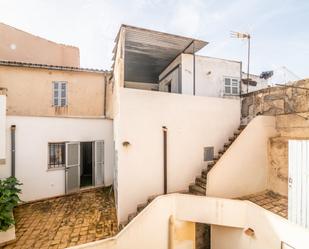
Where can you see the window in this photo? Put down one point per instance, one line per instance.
(231, 86)
(56, 155)
(60, 93)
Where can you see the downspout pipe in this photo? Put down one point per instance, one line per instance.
(194, 84)
(13, 129)
(105, 95)
(164, 128)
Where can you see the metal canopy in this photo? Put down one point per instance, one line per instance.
(148, 52)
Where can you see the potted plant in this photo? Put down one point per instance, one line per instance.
(9, 191)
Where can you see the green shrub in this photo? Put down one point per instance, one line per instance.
(9, 191)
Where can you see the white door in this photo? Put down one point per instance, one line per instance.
(298, 183)
(99, 163)
(72, 167)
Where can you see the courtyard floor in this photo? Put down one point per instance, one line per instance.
(271, 201)
(65, 221)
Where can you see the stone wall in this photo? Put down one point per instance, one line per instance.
(290, 105)
(276, 101)
(278, 165)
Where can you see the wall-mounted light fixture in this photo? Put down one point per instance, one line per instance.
(250, 232)
(126, 144)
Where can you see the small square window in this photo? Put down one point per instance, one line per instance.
(56, 155)
(231, 86)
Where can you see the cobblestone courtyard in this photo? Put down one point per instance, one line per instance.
(66, 221)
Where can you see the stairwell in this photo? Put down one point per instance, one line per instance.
(197, 188)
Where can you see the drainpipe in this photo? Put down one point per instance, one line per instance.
(105, 94)
(13, 128)
(165, 159)
(193, 68)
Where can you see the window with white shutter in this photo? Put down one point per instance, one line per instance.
(59, 93)
(231, 86)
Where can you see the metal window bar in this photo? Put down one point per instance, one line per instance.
(56, 157)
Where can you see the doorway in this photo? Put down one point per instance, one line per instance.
(298, 182)
(86, 164)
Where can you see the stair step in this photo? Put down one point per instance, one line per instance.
(131, 216)
(194, 189)
(209, 167)
(221, 152)
(204, 173)
(123, 224)
(151, 198)
(211, 164)
(140, 207)
(237, 132)
(241, 127)
(228, 144)
(231, 139)
(200, 181)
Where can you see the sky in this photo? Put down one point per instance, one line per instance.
(279, 29)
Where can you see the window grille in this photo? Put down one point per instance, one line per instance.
(208, 153)
(56, 155)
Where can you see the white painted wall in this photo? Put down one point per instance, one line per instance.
(32, 137)
(2, 128)
(193, 123)
(209, 74)
(187, 74)
(228, 217)
(172, 74)
(173, 79)
(243, 168)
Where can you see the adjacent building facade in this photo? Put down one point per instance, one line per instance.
(18, 45)
(50, 113)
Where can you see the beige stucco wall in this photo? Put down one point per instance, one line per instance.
(17, 45)
(278, 165)
(30, 92)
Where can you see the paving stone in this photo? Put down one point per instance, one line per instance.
(271, 201)
(65, 221)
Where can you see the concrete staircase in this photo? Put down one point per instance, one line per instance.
(199, 187)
